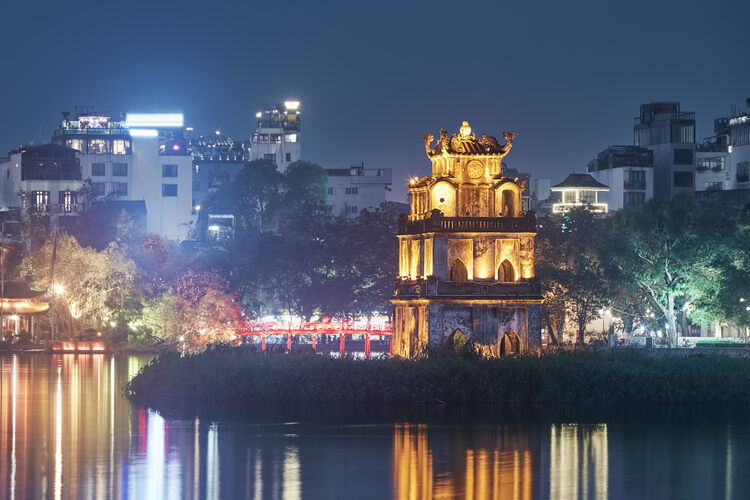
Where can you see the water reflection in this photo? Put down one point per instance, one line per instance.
(67, 431)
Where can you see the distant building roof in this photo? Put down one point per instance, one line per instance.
(580, 181)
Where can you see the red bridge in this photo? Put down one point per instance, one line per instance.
(314, 329)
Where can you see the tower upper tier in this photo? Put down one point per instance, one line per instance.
(467, 178)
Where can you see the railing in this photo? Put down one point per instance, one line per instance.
(436, 223)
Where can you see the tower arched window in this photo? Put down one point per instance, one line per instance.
(505, 272)
(459, 273)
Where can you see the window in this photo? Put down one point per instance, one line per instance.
(76, 144)
(97, 189)
(98, 146)
(169, 189)
(260, 138)
(630, 198)
(290, 138)
(120, 188)
(276, 138)
(352, 190)
(683, 179)
(97, 170)
(40, 199)
(169, 170)
(270, 157)
(352, 210)
(289, 157)
(330, 190)
(713, 186)
(683, 156)
(120, 170)
(120, 147)
(743, 169)
(67, 200)
(715, 164)
(635, 179)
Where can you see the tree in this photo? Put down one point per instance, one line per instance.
(656, 247)
(95, 285)
(570, 270)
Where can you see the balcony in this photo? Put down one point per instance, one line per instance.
(436, 223)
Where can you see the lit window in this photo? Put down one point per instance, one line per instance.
(120, 147)
(169, 170)
(169, 189)
(40, 199)
(76, 144)
(68, 200)
(290, 138)
(98, 146)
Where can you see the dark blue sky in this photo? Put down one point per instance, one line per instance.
(373, 76)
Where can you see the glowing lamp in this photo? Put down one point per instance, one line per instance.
(465, 129)
(175, 147)
(144, 132)
(258, 114)
(58, 289)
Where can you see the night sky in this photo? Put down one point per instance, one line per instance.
(374, 76)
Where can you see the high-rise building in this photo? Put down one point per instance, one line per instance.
(670, 134)
(629, 173)
(216, 161)
(143, 158)
(722, 165)
(466, 253)
(277, 135)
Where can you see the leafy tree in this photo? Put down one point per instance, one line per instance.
(569, 268)
(656, 247)
(97, 285)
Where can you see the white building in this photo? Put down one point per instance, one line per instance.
(353, 188)
(670, 134)
(277, 136)
(144, 158)
(579, 190)
(629, 173)
(45, 178)
(723, 163)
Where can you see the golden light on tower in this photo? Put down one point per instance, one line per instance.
(466, 251)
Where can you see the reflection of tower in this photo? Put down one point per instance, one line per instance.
(466, 252)
(579, 461)
(486, 464)
(412, 462)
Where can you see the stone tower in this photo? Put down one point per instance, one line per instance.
(466, 252)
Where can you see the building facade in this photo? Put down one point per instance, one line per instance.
(629, 173)
(353, 188)
(142, 158)
(277, 135)
(45, 179)
(466, 253)
(670, 135)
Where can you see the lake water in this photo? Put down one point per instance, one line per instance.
(68, 431)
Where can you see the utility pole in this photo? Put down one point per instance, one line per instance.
(53, 223)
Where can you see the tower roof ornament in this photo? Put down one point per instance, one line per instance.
(466, 143)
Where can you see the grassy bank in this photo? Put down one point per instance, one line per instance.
(589, 377)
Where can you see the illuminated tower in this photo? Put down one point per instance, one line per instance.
(277, 136)
(466, 252)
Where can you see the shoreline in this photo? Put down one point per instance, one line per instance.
(587, 377)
